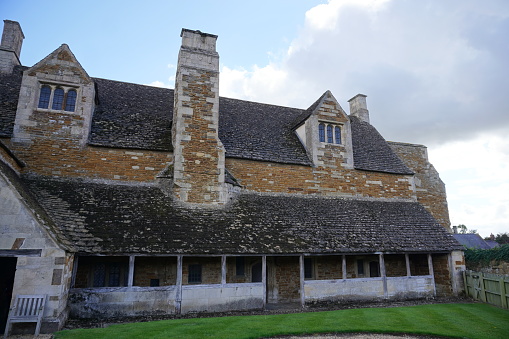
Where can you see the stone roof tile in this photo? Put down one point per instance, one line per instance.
(141, 219)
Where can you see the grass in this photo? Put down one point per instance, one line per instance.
(475, 321)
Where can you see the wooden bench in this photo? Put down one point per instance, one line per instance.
(26, 309)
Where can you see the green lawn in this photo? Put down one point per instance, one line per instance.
(455, 320)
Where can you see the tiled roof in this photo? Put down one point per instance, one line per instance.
(251, 130)
(10, 85)
(473, 241)
(107, 218)
(132, 116)
(371, 152)
(137, 116)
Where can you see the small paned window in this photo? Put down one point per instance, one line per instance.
(194, 274)
(58, 99)
(240, 266)
(330, 133)
(308, 268)
(321, 132)
(44, 97)
(70, 101)
(337, 135)
(330, 137)
(99, 275)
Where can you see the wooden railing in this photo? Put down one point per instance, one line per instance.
(487, 287)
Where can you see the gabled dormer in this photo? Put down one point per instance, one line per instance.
(326, 133)
(56, 101)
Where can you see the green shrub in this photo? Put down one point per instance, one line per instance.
(477, 257)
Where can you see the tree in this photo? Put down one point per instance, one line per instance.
(502, 238)
(462, 229)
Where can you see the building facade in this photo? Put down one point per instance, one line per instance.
(119, 199)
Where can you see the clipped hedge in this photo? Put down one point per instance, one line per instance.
(476, 257)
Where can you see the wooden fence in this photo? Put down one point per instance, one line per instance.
(487, 287)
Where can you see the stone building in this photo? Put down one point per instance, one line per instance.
(118, 199)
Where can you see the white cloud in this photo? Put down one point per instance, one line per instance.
(476, 173)
(435, 72)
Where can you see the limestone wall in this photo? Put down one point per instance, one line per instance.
(42, 266)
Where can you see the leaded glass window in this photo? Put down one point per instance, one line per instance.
(70, 101)
(44, 97)
(58, 99)
(329, 134)
(337, 135)
(321, 132)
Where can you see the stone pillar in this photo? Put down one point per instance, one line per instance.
(359, 108)
(10, 48)
(198, 153)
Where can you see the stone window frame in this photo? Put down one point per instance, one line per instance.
(65, 105)
(330, 133)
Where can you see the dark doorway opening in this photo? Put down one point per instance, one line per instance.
(7, 272)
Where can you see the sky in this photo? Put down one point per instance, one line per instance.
(435, 72)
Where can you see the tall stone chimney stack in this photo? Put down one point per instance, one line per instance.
(199, 155)
(359, 108)
(10, 48)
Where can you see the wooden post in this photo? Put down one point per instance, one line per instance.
(264, 279)
(223, 270)
(301, 277)
(178, 296)
(384, 275)
(407, 261)
(481, 283)
(343, 264)
(432, 273)
(465, 283)
(130, 277)
(503, 295)
(74, 270)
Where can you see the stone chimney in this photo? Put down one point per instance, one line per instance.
(359, 108)
(199, 155)
(10, 48)
(455, 229)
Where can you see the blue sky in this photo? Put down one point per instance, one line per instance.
(436, 72)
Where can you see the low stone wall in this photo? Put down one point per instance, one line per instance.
(221, 298)
(368, 288)
(343, 289)
(410, 287)
(110, 302)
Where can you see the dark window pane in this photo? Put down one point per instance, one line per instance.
(329, 134)
(194, 274)
(154, 282)
(321, 132)
(114, 276)
(44, 97)
(70, 101)
(374, 269)
(308, 268)
(99, 275)
(256, 272)
(337, 135)
(58, 99)
(360, 267)
(239, 265)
